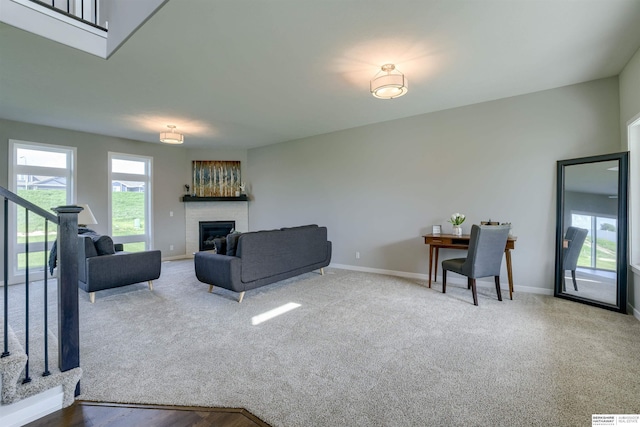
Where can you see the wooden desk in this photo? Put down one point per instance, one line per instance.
(449, 241)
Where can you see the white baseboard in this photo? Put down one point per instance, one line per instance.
(176, 257)
(425, 277)
(32, 408)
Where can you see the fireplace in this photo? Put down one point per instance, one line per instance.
(209, 230)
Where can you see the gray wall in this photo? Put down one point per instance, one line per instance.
(171, 170)
(380, 187)
(629, 109)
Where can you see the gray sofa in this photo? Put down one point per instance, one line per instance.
(264, 257)
(101, 266)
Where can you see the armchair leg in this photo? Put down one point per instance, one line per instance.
(92, 297)
(498, 288)
(210, 288)
(322, 271)
(240, 297)
(444, 281)
(472, 283)
(150, 285)
(573, 276)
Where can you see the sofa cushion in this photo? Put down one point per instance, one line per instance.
(232, 243)
(103, 244)
(220, 243)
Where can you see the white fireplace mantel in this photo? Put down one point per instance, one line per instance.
(213, 211)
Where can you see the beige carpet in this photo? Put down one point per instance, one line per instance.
(360, 349)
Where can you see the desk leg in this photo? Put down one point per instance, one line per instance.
(430, 262)
(507, 254)
(435, 276)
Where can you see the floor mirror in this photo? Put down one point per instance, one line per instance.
(591, 231)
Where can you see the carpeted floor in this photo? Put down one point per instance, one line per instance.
(359, 350)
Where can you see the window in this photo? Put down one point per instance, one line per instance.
(44, 175)
(130, 201)
(599, 248)
(633, 141)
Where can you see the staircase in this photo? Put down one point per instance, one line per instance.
(25, 402)
(29, 388)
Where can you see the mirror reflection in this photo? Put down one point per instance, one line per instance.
(590, 225)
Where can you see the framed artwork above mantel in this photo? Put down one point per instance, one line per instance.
(216, 179)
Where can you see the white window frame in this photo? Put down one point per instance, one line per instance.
(15, 169)
(633, 146)
(147, 178)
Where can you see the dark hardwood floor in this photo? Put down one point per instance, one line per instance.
(94, 414)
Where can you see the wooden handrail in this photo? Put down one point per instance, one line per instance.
(27, 204)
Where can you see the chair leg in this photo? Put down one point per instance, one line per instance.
(573, 276)
(150, 285)
(498, 288)
(92, 297)
(472, 284)
(210, 288)
(322, 271)
(240, 297)
(444, 281)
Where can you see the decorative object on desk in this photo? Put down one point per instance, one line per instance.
(436, 229)
(489, 222)
(212, 178)
(510, 228)
(456, 220)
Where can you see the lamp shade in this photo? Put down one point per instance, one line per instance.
(171, 137)
(85, 217)
(389, 83)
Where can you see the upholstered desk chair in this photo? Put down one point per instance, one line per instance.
(484, 257)
(574, 239)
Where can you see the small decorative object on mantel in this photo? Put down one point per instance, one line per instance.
(456, 220)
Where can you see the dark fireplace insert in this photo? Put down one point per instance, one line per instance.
(210, 230)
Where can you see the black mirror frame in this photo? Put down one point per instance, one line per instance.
(622, 261)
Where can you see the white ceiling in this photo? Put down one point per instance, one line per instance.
(247, 73)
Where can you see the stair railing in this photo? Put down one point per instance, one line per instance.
(75, 10)
(67, 253)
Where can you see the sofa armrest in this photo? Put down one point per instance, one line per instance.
(219, 270)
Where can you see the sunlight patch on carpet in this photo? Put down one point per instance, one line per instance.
(268, 315)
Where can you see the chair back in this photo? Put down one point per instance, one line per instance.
(575, 237)
(486, 249)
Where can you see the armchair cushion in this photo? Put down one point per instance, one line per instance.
(104, 244)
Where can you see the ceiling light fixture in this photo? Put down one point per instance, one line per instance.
(389, 83)
(171, 137)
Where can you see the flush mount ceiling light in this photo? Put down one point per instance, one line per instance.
(389, 83)
(171, 137)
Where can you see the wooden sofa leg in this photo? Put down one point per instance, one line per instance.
(322, 271)
(92, 297)
(240, 297)
(210, 288)
(150, 285)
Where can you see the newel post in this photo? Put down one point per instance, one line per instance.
(68, 316)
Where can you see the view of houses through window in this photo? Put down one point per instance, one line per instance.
(44, 175)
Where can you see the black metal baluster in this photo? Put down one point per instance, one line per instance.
(68, 7)
(46, 308)
(82, 9)
(6, 353)
(27, 378)
(95, 12)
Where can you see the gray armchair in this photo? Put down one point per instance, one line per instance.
(574, 239)
(101, 266)
(484, 258)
